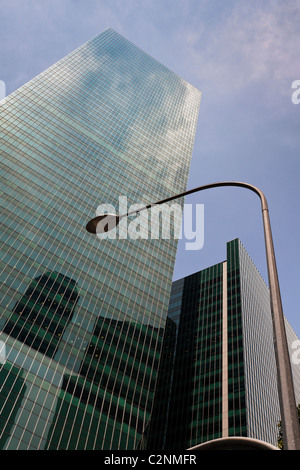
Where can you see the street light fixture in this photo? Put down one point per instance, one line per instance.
(289, 414)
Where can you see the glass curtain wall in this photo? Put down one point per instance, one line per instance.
(82, 317)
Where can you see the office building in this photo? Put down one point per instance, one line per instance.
(218, 373)
(82, 317)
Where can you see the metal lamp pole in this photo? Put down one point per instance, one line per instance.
(289, 414)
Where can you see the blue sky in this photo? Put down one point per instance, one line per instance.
(243, 55)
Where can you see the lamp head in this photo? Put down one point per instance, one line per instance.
(102, 223)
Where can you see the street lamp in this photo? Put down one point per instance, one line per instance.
(289, 415)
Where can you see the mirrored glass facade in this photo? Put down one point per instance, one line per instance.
(218, 373)
(82, 318)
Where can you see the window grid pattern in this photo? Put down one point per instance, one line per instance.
(107, 120)
(195, 401)
(263, 413)
(293, 344)
(190, 379)
(237, 415)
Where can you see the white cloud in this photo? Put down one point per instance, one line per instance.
(251, 43)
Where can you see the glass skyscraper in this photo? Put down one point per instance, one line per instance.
(83, 317)
(218, 373)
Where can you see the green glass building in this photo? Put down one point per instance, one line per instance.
(218, 373)
(82, 317)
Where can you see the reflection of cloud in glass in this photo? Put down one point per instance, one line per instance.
(144, 115)
(124, 125)
(141, 108)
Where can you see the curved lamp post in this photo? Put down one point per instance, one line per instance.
(289, 415)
